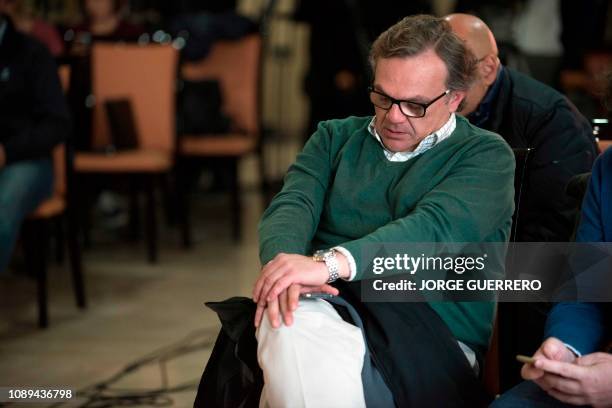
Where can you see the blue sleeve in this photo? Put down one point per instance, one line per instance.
(591, 227)
(581, 324)
(578, 324)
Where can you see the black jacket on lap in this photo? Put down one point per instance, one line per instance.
(33, 113)
(421, 363)
(528, 113)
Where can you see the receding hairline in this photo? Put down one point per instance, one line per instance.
(476, 33)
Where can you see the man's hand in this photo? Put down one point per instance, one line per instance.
(284, 278)
(287, 303)
(286, 269)
(552, 349)
(587, 382)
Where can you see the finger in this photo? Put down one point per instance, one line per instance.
(265, 281)
(554, 349)
(285, 308)
(268, 268)
(529, 372)
(321, 288)
(594, 358)
(272, 311)
(281, 285)
(567, 370)
(565, 385)
(294, 292)
(568, 399)
(329, 289)
(259, 314)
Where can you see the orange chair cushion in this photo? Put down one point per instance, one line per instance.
(222, 145)
(50, 208)
(129, 161)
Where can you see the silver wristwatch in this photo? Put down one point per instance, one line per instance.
(329, 257)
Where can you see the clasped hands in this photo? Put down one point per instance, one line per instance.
(284, 279)
(585, 380)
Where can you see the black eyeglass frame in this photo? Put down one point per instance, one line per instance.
(398, 102)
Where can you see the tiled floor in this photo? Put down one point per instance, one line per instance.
(134, 309)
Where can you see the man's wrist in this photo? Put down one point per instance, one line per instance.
(351, 270)
(343, 265)
(336, 263)
(573, 350)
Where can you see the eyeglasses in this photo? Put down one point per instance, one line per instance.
(408, 108)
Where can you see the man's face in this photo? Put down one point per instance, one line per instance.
(7, 6)
(419, 78)
(99, 9)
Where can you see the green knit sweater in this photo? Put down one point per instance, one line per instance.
(342, 191)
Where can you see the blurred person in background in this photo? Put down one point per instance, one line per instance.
(33, 119)
(26, 21)
(341, 32)
(528, 113)
(103, 21)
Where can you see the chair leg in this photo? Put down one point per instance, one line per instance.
(76, 265)
(265, 186)
(236, 203)
(84, 202)
(134, 211)
(36, 243)
(170, 204)
(181, 185)
(60, 241)
(151, 227)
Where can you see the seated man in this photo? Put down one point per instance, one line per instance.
(568, 368)
(413, 173)
(527, 113)
(33, 119)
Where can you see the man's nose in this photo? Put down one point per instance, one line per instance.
(395, 115)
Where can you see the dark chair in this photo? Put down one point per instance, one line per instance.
(57, 209)
(236, 65)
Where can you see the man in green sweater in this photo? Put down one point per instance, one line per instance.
(413, 173)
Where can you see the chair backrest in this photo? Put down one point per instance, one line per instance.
(235, 64)
(146, 75)
(522, 157)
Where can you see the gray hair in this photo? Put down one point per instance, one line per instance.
(416, 34)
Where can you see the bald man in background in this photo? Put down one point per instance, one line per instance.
(527, 113)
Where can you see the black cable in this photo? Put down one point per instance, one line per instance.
(103, 395)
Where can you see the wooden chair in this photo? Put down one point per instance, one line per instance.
(146, 76)
(36, 229)
(236, 65)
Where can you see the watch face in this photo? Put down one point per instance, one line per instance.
(320, 254)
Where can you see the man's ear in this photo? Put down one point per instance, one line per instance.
(488, 69)
(456, 97)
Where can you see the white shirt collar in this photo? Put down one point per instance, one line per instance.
(427, 143)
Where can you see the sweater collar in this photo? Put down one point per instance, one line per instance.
(427, 143)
